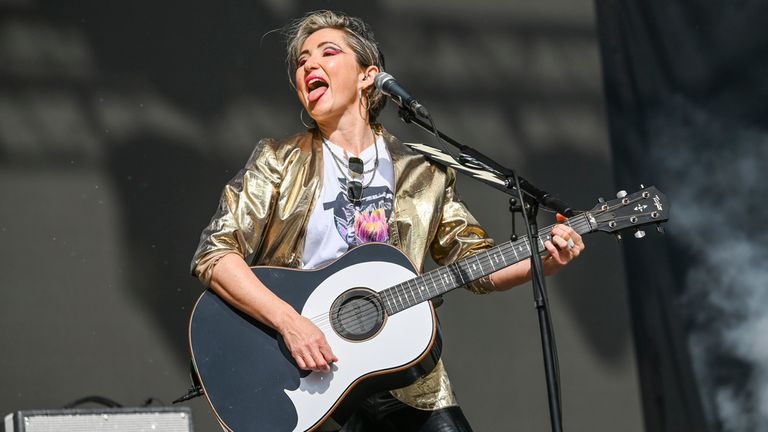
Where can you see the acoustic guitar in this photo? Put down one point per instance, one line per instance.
(373, 307)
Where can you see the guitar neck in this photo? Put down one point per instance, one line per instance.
(464, 271)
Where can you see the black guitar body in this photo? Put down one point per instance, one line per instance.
(246, 370)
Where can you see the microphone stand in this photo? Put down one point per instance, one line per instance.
(529, 198)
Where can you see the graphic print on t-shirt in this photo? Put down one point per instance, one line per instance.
(366, 222)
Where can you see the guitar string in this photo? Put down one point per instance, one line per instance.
(484, 259)
(370, 311)
(397, 290)
(583, 222)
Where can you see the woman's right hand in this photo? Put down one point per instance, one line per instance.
(307, 344)
(236, 283)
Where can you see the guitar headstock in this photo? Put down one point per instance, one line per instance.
(644, 207)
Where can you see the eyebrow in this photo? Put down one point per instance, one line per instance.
(319, 45)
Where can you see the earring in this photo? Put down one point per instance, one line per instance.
(301, 118)
(363, 100)
(360, 91)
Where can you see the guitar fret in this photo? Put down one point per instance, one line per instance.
(422, 287)
(493, 267)
(388, 295)
(458, 270)
(443, 280)
(589, 222)
(406, 290)
(432, 280)
(386, 300)
(394, 299)
(413, 294)
(407, 302)
(393, 293)
(477, 258)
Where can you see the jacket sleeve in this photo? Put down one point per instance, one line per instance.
(459, 235)
(243, 213)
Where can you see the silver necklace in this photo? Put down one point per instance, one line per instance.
(341, 164)
(340, 161)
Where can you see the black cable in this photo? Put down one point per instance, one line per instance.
(440, 142)
(150, 400)
(101, 400)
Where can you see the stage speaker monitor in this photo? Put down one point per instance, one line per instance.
(146, 419)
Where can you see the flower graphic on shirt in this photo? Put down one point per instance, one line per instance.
(365, 222)
(371, 226)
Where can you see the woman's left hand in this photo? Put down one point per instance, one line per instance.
(565, 245)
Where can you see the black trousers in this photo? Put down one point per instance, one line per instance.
(383, 413)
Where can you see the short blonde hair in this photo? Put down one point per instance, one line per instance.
(359, 37)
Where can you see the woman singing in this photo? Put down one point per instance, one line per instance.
(304, 200)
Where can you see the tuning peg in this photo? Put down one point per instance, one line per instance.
(642, 186)
(621, 194)
(639, 234)
(618, 236)
(660, 228)
(601, 200)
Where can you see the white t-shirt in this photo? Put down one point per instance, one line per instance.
(336, 225)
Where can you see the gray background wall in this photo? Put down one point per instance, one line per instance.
(120, 122)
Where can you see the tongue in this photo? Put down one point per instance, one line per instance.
(316, 93)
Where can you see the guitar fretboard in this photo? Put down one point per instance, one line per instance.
(462, 272)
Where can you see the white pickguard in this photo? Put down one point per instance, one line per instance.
(403, 339)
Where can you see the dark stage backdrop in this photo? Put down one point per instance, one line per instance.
(121, 121)
(687, 91)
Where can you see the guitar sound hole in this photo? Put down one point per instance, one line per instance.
(358, 314)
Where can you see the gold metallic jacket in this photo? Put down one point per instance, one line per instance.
(265, 209)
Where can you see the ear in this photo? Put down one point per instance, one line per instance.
(367, 76)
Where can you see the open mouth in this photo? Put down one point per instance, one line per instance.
(316, 87)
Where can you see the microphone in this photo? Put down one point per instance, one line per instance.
(390, 87)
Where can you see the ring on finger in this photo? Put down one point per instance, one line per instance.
(571, 244)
